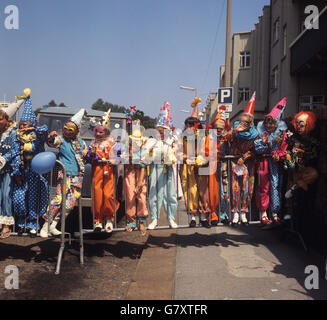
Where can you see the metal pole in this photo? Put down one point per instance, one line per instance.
(49, 202)
(177, 188)
(93, 198)
(102, 200)
(63, 217)
(125, 196)
(81, 237)
(188, 194)
(157, 187)
(228, 44)
(115, 190)
(167, 168)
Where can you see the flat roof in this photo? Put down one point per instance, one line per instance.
(71, 111)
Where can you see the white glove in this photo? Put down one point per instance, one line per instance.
(289, 193)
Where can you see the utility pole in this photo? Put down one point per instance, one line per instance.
(228, 45)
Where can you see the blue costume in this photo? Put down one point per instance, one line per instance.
(224, 151)
(31, 197)
(9, 153)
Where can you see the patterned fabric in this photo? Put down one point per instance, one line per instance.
(270, 172)
(164, 119)
(73, 193)
(71, 154)
(31, 198)
(28, 113)
(243, 187)
(6, 214)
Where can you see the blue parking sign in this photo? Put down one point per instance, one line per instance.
(225, 96)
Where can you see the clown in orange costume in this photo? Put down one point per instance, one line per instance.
(102, 157)
(218, 184)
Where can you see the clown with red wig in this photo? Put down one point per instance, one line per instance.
(302, 153)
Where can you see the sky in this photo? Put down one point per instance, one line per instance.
(127, 52)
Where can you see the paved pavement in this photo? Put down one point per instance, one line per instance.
(192, 264)
(224, 263)
(244, 263)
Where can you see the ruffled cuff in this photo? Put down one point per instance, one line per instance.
(8, 221)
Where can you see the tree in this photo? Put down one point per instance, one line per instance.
(52, 103)
(146, 121)
(62, 105)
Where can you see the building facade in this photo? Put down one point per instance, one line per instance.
(280, 58)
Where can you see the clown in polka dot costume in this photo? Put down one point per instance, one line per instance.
(31, 190)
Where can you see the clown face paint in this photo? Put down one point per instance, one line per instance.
(24, 125)
(3, 123)
(70, 130)
(100, 133)
(270, 125)
(245, 123)
(301, 124)
(220, 126)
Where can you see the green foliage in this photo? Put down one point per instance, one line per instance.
(146, 121)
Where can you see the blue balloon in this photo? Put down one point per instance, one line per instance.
(43, 162)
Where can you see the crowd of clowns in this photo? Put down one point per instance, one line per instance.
(273, 149)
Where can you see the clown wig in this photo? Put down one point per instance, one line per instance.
(311, 121)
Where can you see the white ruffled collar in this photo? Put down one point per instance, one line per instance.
(6, 134)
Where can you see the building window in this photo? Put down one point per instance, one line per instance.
(275, 78)
(284, 41)
(243, 95)
(276, 31)
(310, 103)
(245, 59)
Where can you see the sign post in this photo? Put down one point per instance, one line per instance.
(226, 98)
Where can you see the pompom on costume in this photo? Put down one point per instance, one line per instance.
(194, 185)
(161, 178)
(30, 197)
(71, 154)
(270, 168)
(8, 156)
(103, 195)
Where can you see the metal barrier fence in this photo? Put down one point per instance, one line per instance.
(59, 166)
(178, 219)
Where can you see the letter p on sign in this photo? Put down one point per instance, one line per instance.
(225, 96)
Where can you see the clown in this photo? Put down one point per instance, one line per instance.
(218, 182)
(195, 186)
(242, 146)
(271, 132)
(301, 157)
(162, 182)
(8, 155)
(71, 152)
(103, 196)
(136, 181)
(30, 191)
